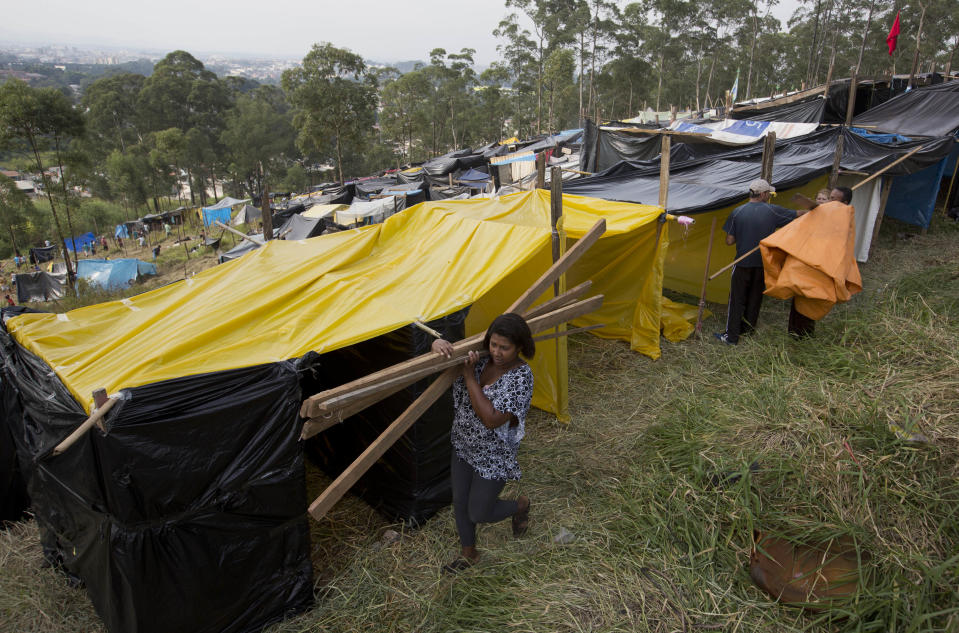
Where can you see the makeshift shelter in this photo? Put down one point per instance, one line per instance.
(931, 111)
(40, 286)
(208, 538)
(324, 210)
(114, 273)
(78, 243)
(300, 228)
(371, 212)
(40, 254)
(708, 182)
(247, 215)
(220, 212)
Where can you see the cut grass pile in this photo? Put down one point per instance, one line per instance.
(644, 480)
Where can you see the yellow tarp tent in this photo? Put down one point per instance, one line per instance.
(290, 297)
(687, 252)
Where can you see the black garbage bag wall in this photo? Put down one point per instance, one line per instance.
(411, 481)
(190, 513)
(40, 285)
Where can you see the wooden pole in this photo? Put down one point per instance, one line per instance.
(95, 416)
(248, 238)
(664, 171)
(887, 167)
(559, 287)
(769, 152)
(335, 491)
(836, 161)
(561, 266)
(915, 58)
(266, 213)
(733, 263)
(702, 292)
(952, 181)
(883, 197)
(406, 373)
(851, 100)
(541, 170)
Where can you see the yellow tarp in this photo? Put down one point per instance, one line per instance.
(813, 259)
(687, 251)
(290, 297)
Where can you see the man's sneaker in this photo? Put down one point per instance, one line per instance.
(722, 338)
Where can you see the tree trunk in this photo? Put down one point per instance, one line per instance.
(709, 80)
(189, 179)
(453, 124)
(812, 45)
(915, 59)
(339, 159)
(539, 89)
(66, 201)
(752, 52)
(213, 181)
(699, 72)
(13, 239)
(659, 86)
(582, 66)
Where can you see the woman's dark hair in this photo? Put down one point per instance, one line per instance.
(846, 194)
(513, 327)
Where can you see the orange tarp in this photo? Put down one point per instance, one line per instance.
(813, 258)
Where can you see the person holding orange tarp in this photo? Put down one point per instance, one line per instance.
(813, 261)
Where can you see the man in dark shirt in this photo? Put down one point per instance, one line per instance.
(745, 227)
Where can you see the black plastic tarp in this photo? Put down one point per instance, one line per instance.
(300, 228)
(928, 111)
(372, 186)
(282, 214)
(338, 194)
(41, 254)
(411, 481)
(40, 286)
(707, 182)
(807, 111)
(240, 249)
(189, 513)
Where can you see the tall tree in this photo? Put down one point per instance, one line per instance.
(34, 115)
(334, 100)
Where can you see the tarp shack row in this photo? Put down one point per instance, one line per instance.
(188, 514)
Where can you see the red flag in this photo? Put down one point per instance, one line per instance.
(893, 35)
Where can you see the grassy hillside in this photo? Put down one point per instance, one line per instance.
(642, 480)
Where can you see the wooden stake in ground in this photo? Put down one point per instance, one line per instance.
(769, 152)
(702, 292)
(559, 287)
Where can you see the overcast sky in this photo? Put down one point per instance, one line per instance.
(376, 29)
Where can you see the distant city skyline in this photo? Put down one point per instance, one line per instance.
(282, 29)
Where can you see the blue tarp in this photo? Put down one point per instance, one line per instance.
(121, 231)
(879, 137)
(473, 175)
(113, 273)
(77, 243)
(912, 198)
(211, 215)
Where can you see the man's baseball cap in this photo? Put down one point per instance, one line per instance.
(761, 186)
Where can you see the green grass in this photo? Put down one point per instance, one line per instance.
(659, 546)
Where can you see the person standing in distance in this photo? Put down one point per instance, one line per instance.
(745, 227)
